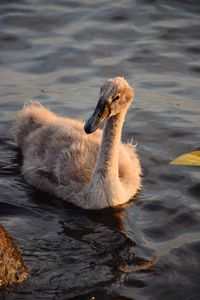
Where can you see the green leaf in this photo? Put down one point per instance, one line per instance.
(188, 159)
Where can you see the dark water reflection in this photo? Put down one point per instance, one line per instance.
(59, 52)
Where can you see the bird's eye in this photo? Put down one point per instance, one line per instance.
(116, 98)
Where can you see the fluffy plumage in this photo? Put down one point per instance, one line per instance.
(92, 171)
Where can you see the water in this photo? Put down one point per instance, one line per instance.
(60, 52)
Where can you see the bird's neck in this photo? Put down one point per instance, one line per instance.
(108, 159)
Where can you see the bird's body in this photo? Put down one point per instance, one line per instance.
(92, 171)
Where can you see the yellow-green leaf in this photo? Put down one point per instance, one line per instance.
(188, 159)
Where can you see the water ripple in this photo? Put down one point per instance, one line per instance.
(60, 52)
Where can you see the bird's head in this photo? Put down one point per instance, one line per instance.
(115, 95)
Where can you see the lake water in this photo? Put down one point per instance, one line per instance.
(60, 52)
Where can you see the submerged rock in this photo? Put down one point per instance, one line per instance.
(12, 268)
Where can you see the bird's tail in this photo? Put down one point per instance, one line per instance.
(32, 116)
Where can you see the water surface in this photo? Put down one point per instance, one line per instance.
(59, 52)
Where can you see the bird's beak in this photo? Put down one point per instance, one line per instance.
(100, 114)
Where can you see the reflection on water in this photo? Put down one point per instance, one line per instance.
(60, 52)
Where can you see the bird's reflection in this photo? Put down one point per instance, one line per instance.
(99, 241)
